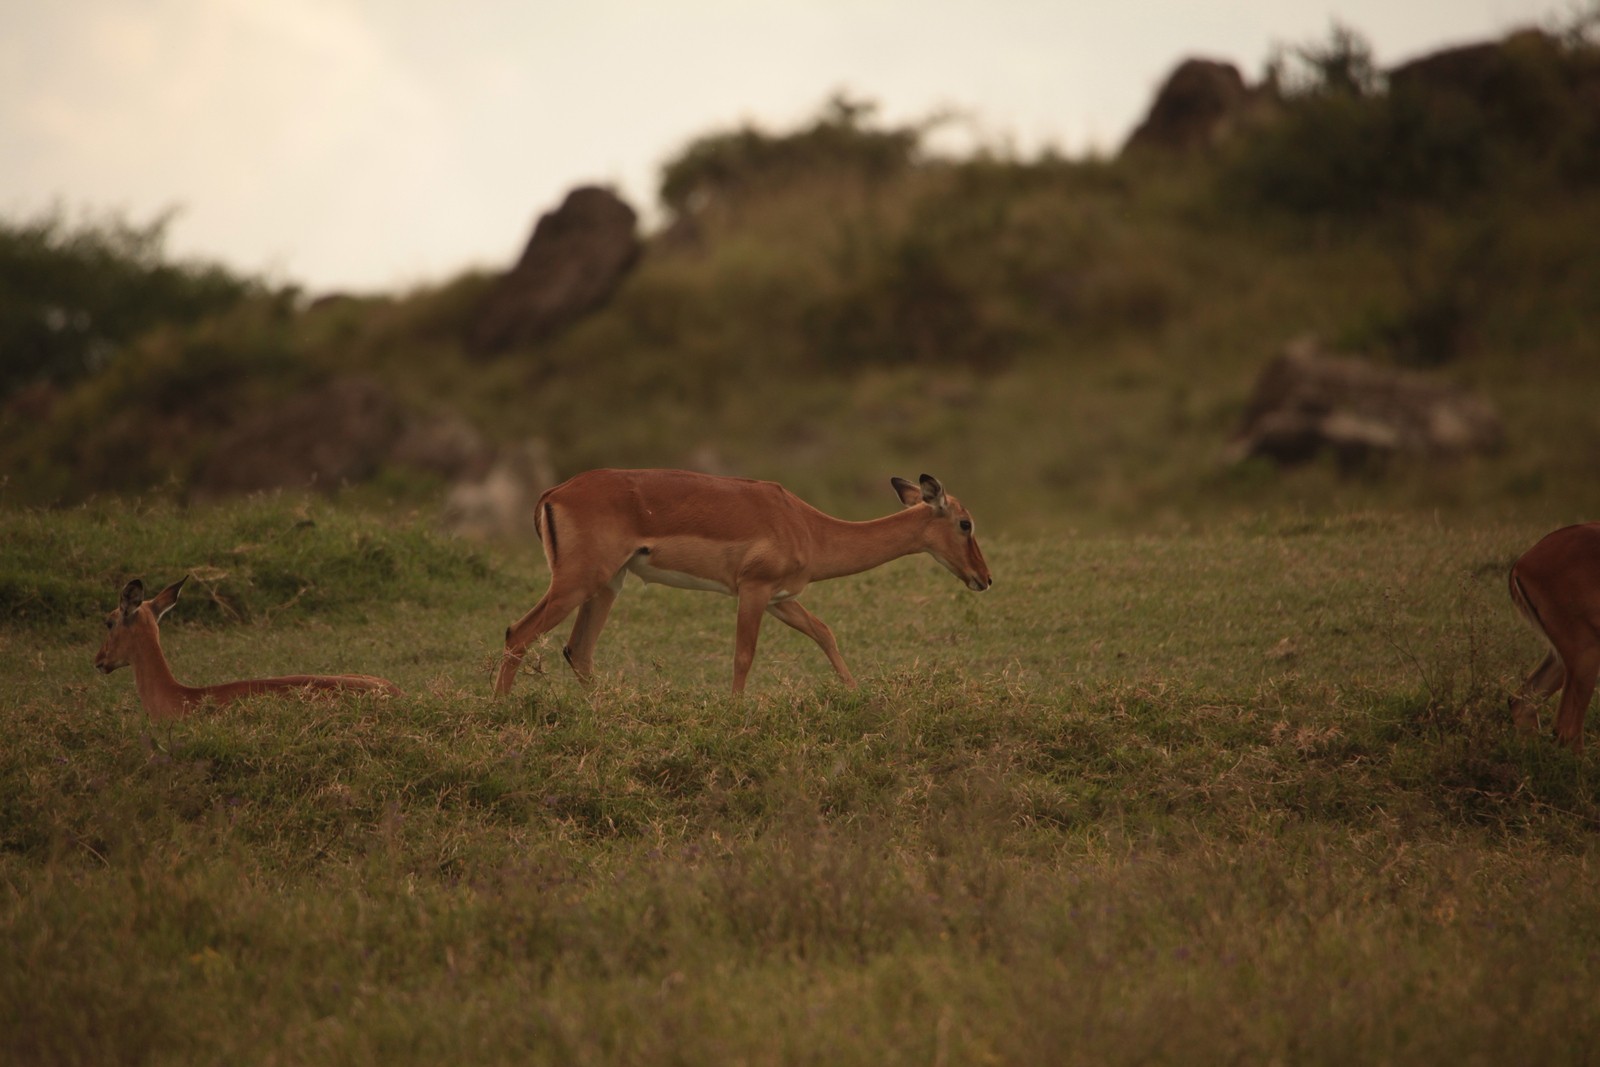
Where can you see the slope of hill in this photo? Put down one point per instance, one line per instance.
(1060, 340)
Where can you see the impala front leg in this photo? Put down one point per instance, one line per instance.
(753, 601)
(1582, 670)
(586, 631)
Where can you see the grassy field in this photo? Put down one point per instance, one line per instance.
(1219, 771)
(1242, 794)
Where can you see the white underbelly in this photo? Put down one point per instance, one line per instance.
(680, 580)
(676, 579)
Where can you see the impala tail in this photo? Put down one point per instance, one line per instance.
(1519, 597)
(544, 524)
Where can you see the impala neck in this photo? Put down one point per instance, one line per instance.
(843, 547)
(159, 692)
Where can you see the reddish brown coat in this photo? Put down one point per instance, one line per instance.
(135, 640)
(752, 540)
(1556, 586)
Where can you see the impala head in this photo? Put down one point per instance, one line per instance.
(949, 538)
(132, 616)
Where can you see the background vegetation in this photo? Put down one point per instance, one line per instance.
(71, 299)
(1061, 340)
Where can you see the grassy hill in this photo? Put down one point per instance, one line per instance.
(1060, 340)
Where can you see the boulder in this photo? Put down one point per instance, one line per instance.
(338, 434)
(445, 444)
(31, 404)
(574, 261)
(1489, 74)
(1305, 402)
(500, 506)
(1201, 103)
(1530, 86)
(318, 439)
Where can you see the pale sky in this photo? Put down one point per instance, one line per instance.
(378, 144)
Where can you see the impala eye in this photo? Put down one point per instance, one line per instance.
(966, 525)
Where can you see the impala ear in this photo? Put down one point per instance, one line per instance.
(909, 494)
(132, 597)
(165, 600)
(932, 492)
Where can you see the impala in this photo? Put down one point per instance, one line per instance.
(754, 541)
(1556, 586)
(135, 639)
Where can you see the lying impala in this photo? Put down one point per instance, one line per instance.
(1556, 586)
(754, 541)
(135, 639)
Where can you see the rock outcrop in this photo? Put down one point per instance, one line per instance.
(574, 261)
(319, 439)
(1491, 74)
(1201, 104)
(1305, 402)
(444, 444)
(338, 434)
(500, 506)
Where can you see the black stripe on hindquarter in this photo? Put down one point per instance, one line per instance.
(1519, 593)
(550, 530)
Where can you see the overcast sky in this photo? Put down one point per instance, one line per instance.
(376, 144)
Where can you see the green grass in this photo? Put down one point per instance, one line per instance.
(265, 559)
(1248, 793)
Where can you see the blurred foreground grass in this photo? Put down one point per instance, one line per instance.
(1246, 794)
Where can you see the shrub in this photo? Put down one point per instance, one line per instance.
(148, 418)
(721, 164)
(1444, 127)
(255, 560)
(71, 298)
(910, 308)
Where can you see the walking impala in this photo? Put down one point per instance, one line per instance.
(1556, 586)
(754, 541)
(135, 639)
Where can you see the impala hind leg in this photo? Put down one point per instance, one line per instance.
(586, 631)
(556, 604)
(1546, 678)
(564, 594)
(793, 613)
(1582, 671)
